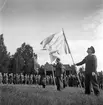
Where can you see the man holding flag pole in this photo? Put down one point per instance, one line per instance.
(90, 62)
(59, 74)
(57, 45)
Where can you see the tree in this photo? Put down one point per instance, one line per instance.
(18, 62)
(25, 59)
(4, 56)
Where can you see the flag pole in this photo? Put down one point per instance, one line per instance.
(71, 57)
(53, 76)
(53, 73)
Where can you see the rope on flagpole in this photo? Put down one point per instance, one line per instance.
(71, 57)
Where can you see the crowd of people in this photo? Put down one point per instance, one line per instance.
(34, 79)
(20, 78)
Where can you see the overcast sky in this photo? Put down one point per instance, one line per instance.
(31, 21)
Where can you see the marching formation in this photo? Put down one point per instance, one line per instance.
(32, 79)
(45, 80)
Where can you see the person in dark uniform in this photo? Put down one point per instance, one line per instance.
(14, 78)
(42, 73)
(100, 79)
(90, 62)
(64, 78)
(59, 74)
(1, 78)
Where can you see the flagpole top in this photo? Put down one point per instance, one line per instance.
(62, 29)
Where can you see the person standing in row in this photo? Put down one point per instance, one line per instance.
(1, 78)
(59, 74)
(90, 62)
(42, 73)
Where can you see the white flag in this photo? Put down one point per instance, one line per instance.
(53, 56)
(56, 44)
(46, 41)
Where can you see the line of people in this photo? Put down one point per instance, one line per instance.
(20, 78)
(5, 78)
(69, 80)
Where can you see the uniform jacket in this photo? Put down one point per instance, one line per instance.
(90, 62)
(59, 69)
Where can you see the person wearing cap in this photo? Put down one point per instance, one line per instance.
(90, 62)
(59, 74)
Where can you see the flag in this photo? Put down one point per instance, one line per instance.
(53, 56)
(46, 41)
(66, 48)
(56, 44)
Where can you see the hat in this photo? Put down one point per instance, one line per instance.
(58, 59)
(92, 48)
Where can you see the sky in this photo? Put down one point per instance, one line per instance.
(31, 21)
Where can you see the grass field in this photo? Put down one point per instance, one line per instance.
(34, 95)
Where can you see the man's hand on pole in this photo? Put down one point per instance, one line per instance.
(93, 73)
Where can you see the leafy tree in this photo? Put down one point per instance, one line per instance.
(18, 62)
(4, 56)
(25, 59)
(11, 68)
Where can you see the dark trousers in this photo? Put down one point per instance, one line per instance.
(59, 83)
(91, 80)
(43, 81)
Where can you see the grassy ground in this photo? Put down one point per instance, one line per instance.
(34, 95)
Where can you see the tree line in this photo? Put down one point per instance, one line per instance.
(23, 60)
